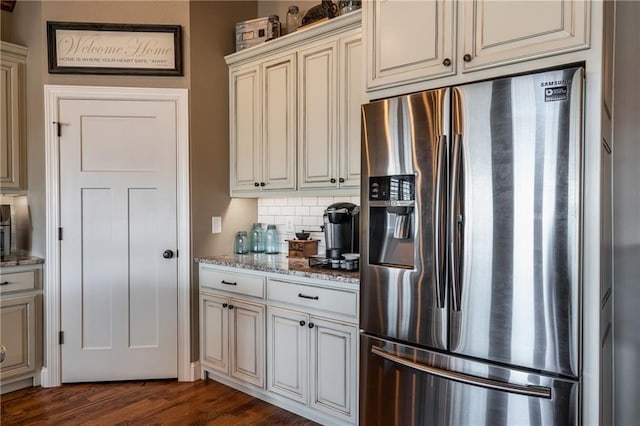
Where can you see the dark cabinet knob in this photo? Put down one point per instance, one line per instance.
(333, 180)
(224, 305)
(302, 323)
(341, 180)
(256, 184)
(466, 58)
(311, 325)
(262, 184)
(446, 62)
(167, 254)
(230, 306)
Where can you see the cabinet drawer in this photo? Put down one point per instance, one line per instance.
(232, 282)
(325, 299)
(17, 281)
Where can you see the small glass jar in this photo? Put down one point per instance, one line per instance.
(241, 243)
(293, 19)
(346, 6)
(272, 243)
(256, 238)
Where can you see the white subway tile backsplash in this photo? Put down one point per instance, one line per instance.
(273, 210)
(310, 221)
(325, 201)
(342, 199)
(317, 212)
(293, 201)
(306, 213)
(302, 211)
(267, 219)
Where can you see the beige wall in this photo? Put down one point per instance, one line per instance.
(208, 34)
(28, 23)
(5, 26)
(212, 37)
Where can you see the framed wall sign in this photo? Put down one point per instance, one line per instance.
(92, 48)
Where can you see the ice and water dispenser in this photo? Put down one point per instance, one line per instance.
(392, 220)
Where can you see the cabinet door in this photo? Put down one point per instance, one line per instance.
(334, 380)
(317, 122)
(351, 89)
(245, 128)
(214, 332)
(500, 32)
(287, 338)
(246, 345)
(12, 131)
(279, 123)
(18, 336)
(408, 41)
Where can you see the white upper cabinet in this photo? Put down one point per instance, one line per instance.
(279, 123)
(351, 97)
(408, 41)
(502, 32)
(262, 111)
(330, 93)
(245, 130)
(295, 112)
(12, 116)
(317, 100)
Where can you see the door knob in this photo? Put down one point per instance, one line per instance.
(167, 254)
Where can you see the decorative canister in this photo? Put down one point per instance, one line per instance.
(256, 239)
(241, 243)
(272, 240)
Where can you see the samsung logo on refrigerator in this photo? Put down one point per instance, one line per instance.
(558, 93)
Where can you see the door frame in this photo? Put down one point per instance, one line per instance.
(51, 372)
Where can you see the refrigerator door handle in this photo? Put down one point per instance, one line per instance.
(438, 232)
(527, 390)
(455, 221)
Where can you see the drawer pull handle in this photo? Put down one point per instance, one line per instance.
(304, 296)
(311, 325)
(231, 306)
(224, 305)
(4, 283)
(228, 282)
(302, 323)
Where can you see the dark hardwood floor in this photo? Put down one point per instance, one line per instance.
(156, 402)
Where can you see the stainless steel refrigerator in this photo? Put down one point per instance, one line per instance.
(470, 259)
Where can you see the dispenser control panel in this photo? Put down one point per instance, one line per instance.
(392, 188)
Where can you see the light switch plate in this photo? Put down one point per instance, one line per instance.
(289, 225)
(216, 224)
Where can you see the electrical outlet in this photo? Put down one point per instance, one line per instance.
(216, 224)
(289, 225)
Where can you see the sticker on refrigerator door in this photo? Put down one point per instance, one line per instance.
(558, 93)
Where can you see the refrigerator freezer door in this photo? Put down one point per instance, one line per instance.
(515, 221)
(402, 385)
(403, 288)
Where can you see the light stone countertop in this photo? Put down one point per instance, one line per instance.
(281, 264)
(19, 260)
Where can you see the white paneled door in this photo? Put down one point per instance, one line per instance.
(118, 266)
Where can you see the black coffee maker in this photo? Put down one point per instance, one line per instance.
(341, 229)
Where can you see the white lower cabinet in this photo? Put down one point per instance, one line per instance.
(233, 337)
(310, 365)
(313, 361)
(20, 326)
